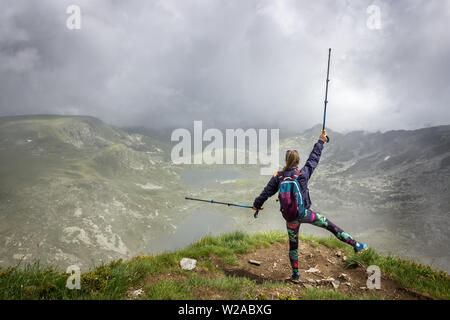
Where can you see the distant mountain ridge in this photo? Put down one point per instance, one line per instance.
(74, 190)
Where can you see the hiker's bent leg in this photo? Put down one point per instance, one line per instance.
(315, 218)
(292, 228)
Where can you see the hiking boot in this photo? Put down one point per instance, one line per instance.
(295, 278)
(360, 247)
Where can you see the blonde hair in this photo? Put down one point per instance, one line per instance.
(292, 160)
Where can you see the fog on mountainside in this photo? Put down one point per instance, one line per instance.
(74, 190)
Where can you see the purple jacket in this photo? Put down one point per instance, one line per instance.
(306, 172)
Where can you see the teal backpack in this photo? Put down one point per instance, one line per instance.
(290, 197)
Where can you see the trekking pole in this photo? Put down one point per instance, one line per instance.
(326, 93)
(225, 203)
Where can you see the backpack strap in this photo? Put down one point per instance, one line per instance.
(298, 173)
(282, 177)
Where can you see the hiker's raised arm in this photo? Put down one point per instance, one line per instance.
(270, 189)
(314, 157)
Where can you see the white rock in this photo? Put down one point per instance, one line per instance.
(335, 283)
(312, 270)
(138, 293)
(148, 186)
(255, 262)
(188, 264)
(344, 277)
(78, 212)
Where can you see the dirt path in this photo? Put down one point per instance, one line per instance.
(275, 266)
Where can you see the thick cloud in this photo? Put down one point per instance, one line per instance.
(229, 63)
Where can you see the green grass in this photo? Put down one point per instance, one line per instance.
(411, 275)
(191, 288)
(112, 281)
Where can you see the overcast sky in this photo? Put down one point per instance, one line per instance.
(241, 63)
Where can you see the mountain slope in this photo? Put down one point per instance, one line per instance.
(77, 191)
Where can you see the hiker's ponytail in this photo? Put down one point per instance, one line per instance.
(292, 160)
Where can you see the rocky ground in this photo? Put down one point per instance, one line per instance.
(321, 267)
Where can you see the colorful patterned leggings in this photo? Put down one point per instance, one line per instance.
(312, 217)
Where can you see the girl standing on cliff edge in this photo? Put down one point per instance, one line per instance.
(292, 185)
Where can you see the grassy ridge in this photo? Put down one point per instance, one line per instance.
(112, 281)
(411, 275)
(168, 281)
